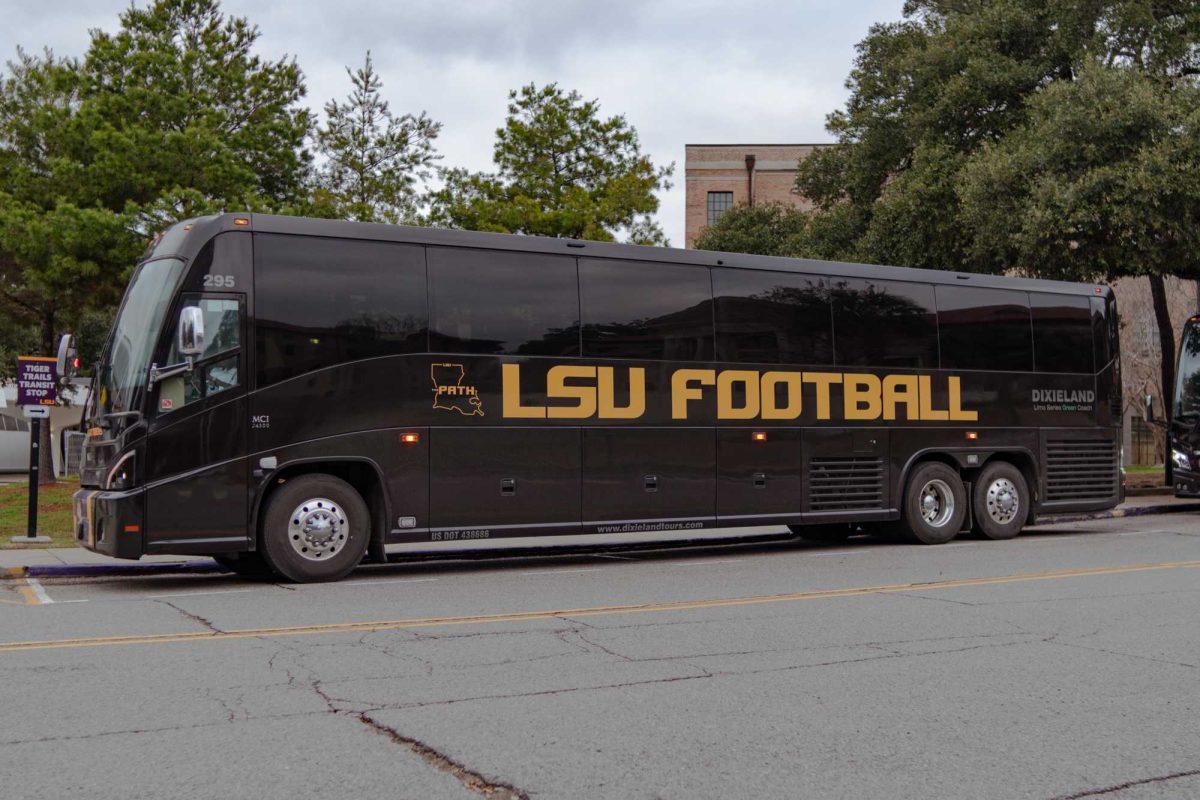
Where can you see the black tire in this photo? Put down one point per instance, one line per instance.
(942, 519)
(248, 565)
(1001, 501)
(326, 538)
(822, 533)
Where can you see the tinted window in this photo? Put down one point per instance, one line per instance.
(772, 317)
(884, 323)
(1062, 333)
(639, 310)
(320, 302)
(984, 329)
(487, 301)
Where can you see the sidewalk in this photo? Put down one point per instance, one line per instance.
(75, 561)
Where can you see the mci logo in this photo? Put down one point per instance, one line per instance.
(451, 394)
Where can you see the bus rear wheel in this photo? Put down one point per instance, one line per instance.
(316, 528)
(1001, 502)
(935, 504)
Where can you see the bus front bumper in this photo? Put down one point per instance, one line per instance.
(109, 522)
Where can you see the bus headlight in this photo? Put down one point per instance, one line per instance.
(121, 475)
(1181, 459)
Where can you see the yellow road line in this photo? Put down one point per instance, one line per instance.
(522, 616)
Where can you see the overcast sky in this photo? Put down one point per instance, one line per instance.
(680, 70)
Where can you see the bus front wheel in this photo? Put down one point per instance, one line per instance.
(935, 504)
(316, 528)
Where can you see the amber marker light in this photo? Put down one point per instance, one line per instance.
(759, 436)
(972, 435)
(241, 221)
(410, 438)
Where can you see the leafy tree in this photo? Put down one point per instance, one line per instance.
(170, 116)
(769, 229)
(561, 170)
(373, 158)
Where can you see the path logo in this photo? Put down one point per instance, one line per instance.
(451, 394)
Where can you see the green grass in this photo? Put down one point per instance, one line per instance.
(1144, 469)
(54, 512)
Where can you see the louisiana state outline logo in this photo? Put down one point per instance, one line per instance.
(451, 394)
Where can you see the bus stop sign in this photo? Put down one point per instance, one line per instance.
(37, 380)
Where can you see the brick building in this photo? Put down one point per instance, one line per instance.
(720, 176)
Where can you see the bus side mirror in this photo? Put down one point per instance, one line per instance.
(1149, 416)
(68, 362)
(191, 331)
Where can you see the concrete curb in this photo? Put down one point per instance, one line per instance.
(99, 570)
(1116, 513)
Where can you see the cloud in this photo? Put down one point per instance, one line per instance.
(699, 71)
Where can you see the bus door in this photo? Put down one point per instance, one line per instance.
(196, 451)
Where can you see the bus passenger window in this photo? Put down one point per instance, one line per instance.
(497, 302)
(322, 301)
(772, 317)
(980, 328)
(884, 323)
(1062, 333)
(646, 310)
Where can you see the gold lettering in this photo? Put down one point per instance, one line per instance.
(725, 381)
(861, 396)
(770, 380)
(899, 389)
(682, 392)
(510, 392)
(556, 386)
(928, 412)
(822, 380)
(637, 394)
(957, 412)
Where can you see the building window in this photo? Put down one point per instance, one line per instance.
(718, 204)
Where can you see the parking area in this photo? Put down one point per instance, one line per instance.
(1060, 664)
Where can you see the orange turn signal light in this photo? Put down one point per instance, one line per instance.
(241, 221)
(759, 436)
(972, 435)
(410, 438)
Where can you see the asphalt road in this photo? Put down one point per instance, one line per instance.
(1063, 664)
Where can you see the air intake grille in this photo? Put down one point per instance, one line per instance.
(845, 483)
(1080, 469)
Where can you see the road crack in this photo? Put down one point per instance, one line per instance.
(194, 617)
(472, 780)
(1120, 787)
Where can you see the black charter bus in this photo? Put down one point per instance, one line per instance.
(296, 394)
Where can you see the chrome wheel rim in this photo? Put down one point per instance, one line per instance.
(317, 529)
(1003, 501)
(937, 503)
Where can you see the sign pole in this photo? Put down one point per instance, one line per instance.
(35, 439)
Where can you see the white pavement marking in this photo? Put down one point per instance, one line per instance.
(559, 571)
(388, 581)
(1056, 539)
(838, 553)
(38, 591)
(706, 563)
(192, 594)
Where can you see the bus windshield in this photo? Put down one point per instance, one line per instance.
(122, 374)
(1187, 378)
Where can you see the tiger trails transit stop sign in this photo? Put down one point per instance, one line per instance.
(37, 381)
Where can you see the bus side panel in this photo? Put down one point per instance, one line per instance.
(485, 478)
(638, 474)
(758, 477)
(845, 473)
